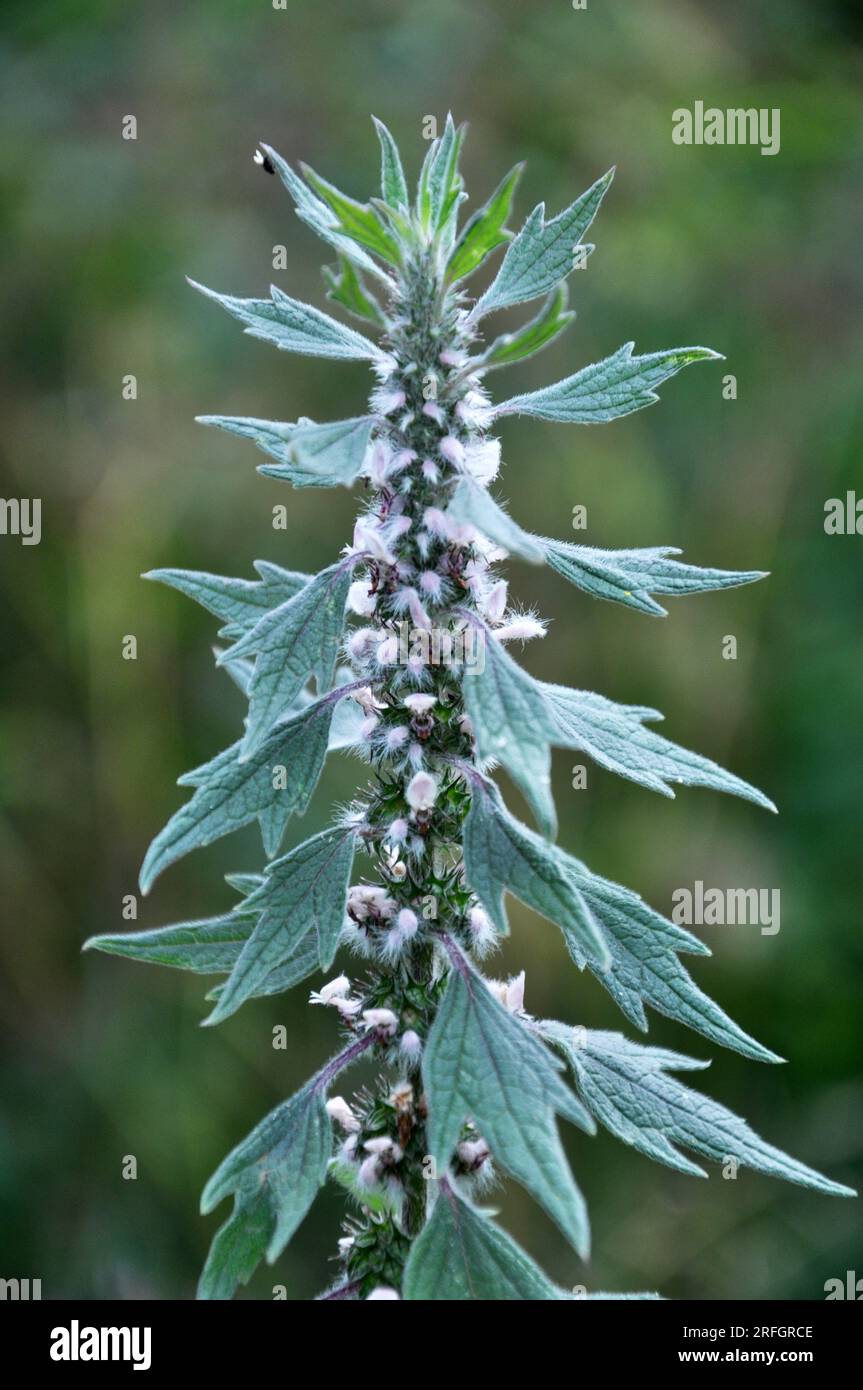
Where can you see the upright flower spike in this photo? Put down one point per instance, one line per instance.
(399, 652)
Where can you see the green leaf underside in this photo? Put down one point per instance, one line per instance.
(313, 211)
(631, 576)
(238, 603)
(481, 1062)
(513, 724)
(303, 893)
(293, 326)
(615, 737)
(274, 1175)
(542, 253)
(474, 505)
(345, 287)
(486, 229)
(461, 1255)
(628, 1089)
(552, 320)
(308, 455)
(503, 856)
(394, 189)
(298, 639)
(357, 220)
(230, 794)
(606, 390)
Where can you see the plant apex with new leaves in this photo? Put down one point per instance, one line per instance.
(397, 653)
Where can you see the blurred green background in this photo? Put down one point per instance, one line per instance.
(758, 257)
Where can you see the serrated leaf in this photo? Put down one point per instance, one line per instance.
(303, 892)
(314, 212)
(357, 220)
(503, 856)
(394, 189)
(552, 319)
(345, 287)
(606, 390)
(230, 794)
(298, 639)
(274, 1176)
(485, 230)
(513, 725)
(615, 737)
(541, 255)
(208, 947)
(239, 603)
(293, 326)
(309, 455)
(628, 1089)
(461, 1255)
(472, 504)
(645, 967)
(631, 576)
(481, 1062)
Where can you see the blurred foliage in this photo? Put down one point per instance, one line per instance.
(758, 257)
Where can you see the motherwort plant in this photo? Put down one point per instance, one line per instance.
(399, 650)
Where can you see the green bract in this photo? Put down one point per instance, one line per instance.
(396, 653)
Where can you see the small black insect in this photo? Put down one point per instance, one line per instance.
(265, 162)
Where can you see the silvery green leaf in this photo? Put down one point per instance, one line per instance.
(239, 603)
(631, 576)
(230, 794)
(485, 230)
(628, 1089)
(314, 212)
(394, 189)
(298, 639)
(606, 390)
(293, 326)
(359, 221)
(503, 856)
(298, 967)
(513, 724)
(303, 892)
(645, 968)
(553, 318)
(542, 253)
(461, 1255)
(615, 736)
(480, 1061)
(345, 287)
(274, 1176)
(209, 946)
(308, 455)
(474, 505)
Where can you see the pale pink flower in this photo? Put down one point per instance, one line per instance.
(421, 792)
